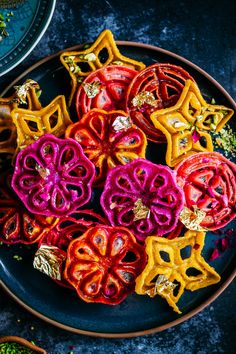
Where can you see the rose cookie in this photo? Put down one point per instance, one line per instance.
(143, 197)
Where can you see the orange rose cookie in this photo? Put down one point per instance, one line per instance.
(102, 52)
(24, 94)
(173, 266)
(32, 124)
(108, 139)
(187, 124)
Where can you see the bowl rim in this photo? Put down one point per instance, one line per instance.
(24, 342)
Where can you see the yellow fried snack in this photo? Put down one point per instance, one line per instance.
(30, 125)
(172, 265)
(102, 52)
(24, 94)
(187, 124)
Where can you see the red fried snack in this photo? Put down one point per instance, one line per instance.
(102, 265)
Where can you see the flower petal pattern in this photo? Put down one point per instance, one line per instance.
(103, 263)
(53, 176)
(143, 197)
(108, 139)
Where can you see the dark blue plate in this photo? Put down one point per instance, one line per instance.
(26, 27)
(137, 315)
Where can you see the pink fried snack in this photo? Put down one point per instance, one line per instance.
(143, 197)
(53, 177)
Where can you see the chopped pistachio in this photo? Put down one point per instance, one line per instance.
(90, 57)
(199, 118)
(213, 101)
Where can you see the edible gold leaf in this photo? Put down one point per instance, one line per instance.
(144, 97)
(122, 122)
(49, 260)
(92, 89)
(140, 210)
(22, 90)
(192, 219)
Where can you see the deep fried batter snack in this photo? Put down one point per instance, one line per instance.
(103, 263)
(24, 94)
(108, 139)
(172, 265)
(102, 52)
(32, 124)
(187, 124)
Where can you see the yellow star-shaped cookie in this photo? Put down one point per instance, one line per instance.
(102, 52)
(7, 128)
(175, 265)
(187, 124)
(31, 125)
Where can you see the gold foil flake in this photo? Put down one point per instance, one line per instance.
(162, 284)
(122, 122)
(192, 219)
(92, 89)
(144, 97)
(43, 172)
(140, 211)
(49, 260)
(22, 90)
(113, 205)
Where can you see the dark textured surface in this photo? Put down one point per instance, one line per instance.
(203, 32)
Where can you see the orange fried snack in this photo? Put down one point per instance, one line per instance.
(31, 124)
(102, 52)
(24, 94)
(108, 139)
(187, 124)
(173, 266)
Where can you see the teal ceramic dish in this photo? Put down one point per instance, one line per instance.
(136, 315)
(26, 27)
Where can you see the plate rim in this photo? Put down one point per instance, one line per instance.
(186, 316)
(38, 38)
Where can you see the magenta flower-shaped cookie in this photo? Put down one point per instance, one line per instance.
(52, 176)
(143, 197)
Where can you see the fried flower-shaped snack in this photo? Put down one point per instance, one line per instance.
(188, 123)
(51, 255)
(102, 52)
(103, 263)
(24, 94)
(158, 86)
(144, 197)
(209, 184)
(173, 266)
(32, 124)
(108, 139)
(52, 176)
(71, 227)
(17, 224)
(105, 89)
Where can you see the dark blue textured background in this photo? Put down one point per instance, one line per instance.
(203, 32)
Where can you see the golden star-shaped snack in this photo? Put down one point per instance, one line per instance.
(173, 266)
(26, 94)
(102, 52)
(30, 124)
(187, 124)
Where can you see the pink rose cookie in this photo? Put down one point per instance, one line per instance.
(143, 197)
(53, 177)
